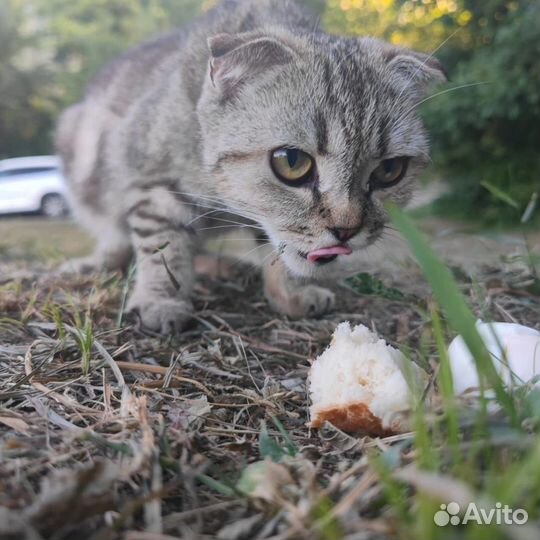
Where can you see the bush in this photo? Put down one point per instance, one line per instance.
(489, 135)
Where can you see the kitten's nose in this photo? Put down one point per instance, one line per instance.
(344, 233)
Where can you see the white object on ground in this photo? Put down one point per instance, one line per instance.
(361, 384)
(517, 363)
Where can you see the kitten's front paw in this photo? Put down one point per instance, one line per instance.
(162, 315)
(309, 301)
(79, 265)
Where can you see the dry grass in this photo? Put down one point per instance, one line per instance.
(109, 433)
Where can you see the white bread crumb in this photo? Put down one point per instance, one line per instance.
(359, 383)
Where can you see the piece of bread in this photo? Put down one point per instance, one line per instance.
(361, 384)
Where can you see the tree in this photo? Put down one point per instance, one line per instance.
(487, 137)
(26, 90)
(50, 49)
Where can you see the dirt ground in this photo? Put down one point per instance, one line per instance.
(108, 432)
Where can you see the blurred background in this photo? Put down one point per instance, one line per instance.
(485, 123)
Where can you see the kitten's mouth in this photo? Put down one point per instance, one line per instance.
(327, 254)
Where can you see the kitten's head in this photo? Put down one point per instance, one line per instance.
(309, 134)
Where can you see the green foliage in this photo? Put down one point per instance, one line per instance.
(26, 94)
(50, 49)
(84, 336)
(218, 487)
(268, 447)
(328, 526)
(487, 137)
(421, 24)
(271, 448)
(367, 284)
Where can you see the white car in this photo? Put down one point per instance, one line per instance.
(32, 184)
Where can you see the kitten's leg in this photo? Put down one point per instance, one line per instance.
(113, 252)
(286, 294)
(214, 266)
(164, 248)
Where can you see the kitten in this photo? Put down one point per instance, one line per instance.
(251, 117)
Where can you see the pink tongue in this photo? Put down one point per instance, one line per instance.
(313, 256)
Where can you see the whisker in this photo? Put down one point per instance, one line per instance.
(194, 195)
(225, 220)
(237, 238)
(225, 210)
(388, 236)
(212, 199)
(446, 91)
(241, 257)
(230, 226)
(467, 85)
(201, 216)
(411, 78)
(266, 257)
(256, 248)
(204, 205)
(444, 42)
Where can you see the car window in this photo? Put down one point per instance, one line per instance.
(25, 171)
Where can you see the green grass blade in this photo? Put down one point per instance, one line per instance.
(452, 302)
(395, 492)
(268, 447)
(292, 450)
(446, 386)
(327, 525)
(499, 194)
(217, 486)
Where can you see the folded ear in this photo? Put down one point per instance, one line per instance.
(420, 69)
(234, 59)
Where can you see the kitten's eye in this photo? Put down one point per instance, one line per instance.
(291, 165)
(389, 172)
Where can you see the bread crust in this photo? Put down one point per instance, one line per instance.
(352, 418)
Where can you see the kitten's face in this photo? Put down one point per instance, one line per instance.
(310, 138)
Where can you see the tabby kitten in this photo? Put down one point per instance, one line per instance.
(251, 117)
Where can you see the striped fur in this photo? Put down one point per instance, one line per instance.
(183, 126)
